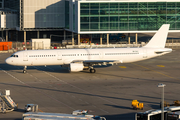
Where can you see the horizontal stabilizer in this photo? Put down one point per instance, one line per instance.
(159, 39)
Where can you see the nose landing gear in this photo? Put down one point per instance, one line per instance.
(24, 70)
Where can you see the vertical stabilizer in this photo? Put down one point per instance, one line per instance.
(159, 39)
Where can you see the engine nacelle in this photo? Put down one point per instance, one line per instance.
(76, 67)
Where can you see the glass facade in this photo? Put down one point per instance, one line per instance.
(12, 4)
(130, 16)
(67, 14)
(1, 4)
(74, 17)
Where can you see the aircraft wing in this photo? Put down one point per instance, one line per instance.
(95, 61)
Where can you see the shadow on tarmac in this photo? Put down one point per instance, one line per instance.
(14, 112)
(116, 106)
(128, 116)
(20, 110)
(57, 69)
(78, 93)
(157, 106)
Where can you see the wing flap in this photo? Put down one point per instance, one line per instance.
(95, 61)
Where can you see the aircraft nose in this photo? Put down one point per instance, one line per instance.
(8, 61)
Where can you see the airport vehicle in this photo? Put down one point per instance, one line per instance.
(173, 115)
(155, 114)
(31, 108)
(175, 103)
(79, 59)
(78, 114)
(166, 104)
(7, 104)
(136, 105)
(57, 118)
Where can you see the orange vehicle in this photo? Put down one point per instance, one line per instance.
(176, 103)
(84, 40)
(136, 105)
(5, 46)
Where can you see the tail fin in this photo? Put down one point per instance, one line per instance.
(159, 39)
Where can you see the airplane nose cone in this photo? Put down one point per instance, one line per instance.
(8, 61)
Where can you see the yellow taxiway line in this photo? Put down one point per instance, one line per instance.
(160, 65)
(155, 71)
(122, 66)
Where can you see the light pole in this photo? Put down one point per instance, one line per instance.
(162, 101)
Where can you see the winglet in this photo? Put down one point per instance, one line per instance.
(159, 39)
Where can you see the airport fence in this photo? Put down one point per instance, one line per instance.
(173, 43)
(18, 46)
(35, 46)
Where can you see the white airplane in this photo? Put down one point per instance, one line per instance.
(81, 59)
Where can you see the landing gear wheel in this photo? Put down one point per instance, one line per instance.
(24, 71)
(92, 70)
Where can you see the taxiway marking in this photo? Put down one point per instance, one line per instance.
(36, 89)
(160, 65)
(76, 87)
(155, 71)
(122, 66)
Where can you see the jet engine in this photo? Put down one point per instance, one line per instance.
(76, 67)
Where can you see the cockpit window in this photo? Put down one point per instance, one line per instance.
(14, 55)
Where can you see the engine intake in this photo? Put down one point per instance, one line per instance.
(76, 67)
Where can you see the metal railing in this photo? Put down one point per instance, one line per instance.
(18, 46)
(173, 43)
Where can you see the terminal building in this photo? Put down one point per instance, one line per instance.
(22, 20)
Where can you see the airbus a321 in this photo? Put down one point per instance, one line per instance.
(81, 59)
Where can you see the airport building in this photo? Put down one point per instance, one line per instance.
(94, 19)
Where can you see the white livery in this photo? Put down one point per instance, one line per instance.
(80, 59)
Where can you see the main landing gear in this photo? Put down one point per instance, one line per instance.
(92, 70)
(24, 70)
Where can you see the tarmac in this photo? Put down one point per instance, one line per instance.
(109, 92)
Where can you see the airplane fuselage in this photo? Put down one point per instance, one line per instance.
(66, 56)
(82, 59)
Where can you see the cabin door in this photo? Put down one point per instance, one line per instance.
(59, 56)
(144, 53)
(25, 56)
(101, 55)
